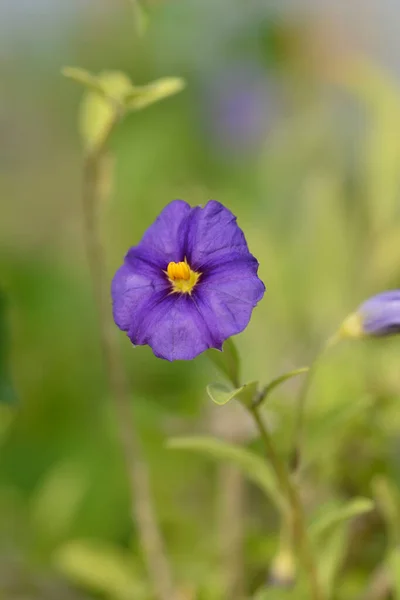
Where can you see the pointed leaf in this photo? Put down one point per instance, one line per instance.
(83, 77)
(331, 554)
(227, 361)
(335, 516)
(279, 380)
(142, 96)
(221, 394)
(252, 465)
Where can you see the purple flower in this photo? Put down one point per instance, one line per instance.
(378, 316)
(189, 285)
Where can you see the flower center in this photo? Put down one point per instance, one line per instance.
(182, 278)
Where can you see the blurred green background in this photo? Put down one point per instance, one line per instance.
(294, 125)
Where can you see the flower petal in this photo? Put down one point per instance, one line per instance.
(132, 287)
(226, 299)
(164, 239)
(211, 233)
(173, 327)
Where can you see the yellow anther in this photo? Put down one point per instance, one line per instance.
(182, 278)
(178, 270)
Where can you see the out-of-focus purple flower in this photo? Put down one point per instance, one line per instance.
(378, 316)
(190, 284)
(237, 108)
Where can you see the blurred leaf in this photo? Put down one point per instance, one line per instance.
(336, 516)
(7, 393)
(331, 554)
(394, 566)
(281, 379)
(101, 568)
(83, 77)
(221, 394)
(227, 361)
(99, 111)
(142, 96)
(252, 465)
(60, 496)
(388, 501)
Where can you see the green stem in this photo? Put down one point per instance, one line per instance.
(301, 404)
(142, 508)
(289, 490)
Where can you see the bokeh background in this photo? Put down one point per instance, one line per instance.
(291, 118)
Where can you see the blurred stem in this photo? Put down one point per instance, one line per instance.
(301, 404)
(142, 509)
(231, 489)
(289, 490)
(300, 414)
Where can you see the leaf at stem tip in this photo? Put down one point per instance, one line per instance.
(253, 466)
(83, 77)
(227, 361)
(221, 394)
(279, 380)
(141, 96)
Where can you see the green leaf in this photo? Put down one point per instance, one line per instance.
(7, 392)
(279, 380)
(141, 96)
(252, 465)
(83, 77)
(331, 554)
(337, 515)
(394, 567)
(388, 501)
(227, 361)
(221, 394)
(99, 111)
(101, 569)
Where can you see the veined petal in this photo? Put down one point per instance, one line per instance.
(212, 232)
(165, 238)
(226, 305)
(173, 327)
(133, 286)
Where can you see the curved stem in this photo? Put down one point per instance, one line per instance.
(142, 509)
(304, 551)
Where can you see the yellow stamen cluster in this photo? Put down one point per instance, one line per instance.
(182, 278)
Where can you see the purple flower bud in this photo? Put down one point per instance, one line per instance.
(378, 316)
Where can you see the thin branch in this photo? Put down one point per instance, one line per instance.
(142, 509)
(304, 551)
